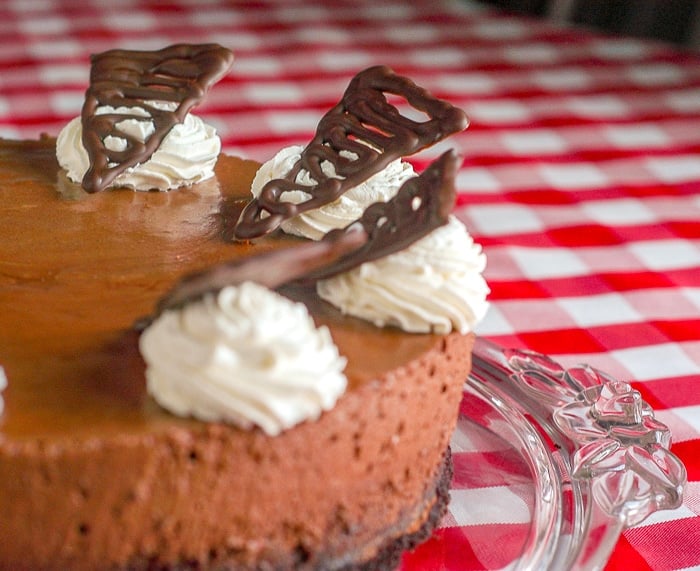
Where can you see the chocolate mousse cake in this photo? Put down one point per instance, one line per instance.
(98, 471)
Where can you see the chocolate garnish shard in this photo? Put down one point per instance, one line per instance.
(422, 204)
(270, 269)
(358, 137)
(161, 86)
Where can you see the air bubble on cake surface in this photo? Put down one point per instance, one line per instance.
(3, 386)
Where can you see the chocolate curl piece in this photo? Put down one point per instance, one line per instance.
(359, 137)
(270, 269)
(422, 204)
(180, 74)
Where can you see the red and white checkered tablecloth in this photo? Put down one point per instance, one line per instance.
(581, 179)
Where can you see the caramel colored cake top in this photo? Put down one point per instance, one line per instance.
(77, 270)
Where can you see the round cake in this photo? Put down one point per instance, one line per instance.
(95, 475)
(210, 364)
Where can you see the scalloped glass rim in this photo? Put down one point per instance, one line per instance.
(600, 461)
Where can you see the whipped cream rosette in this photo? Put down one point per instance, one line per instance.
(135, 129)
(433, 286)
(245, 355)
(186, 155)
(345, 209)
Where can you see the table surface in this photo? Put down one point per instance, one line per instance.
(581, 179)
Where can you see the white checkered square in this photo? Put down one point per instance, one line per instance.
(597, 310)
(624, 211)
(477, 179)
(473, 83)
(292, 121)
(498, 219)
(47, 25)
(340, 60)
(691, 415)
(543, 263)
(499, 111)
(692, 496)
(67, 102)
(534, 53)
(257, 66)
(61, 74)
(502, 264)
(609, 259)
(439, 57)
(636, 136)
(322, 34)
(276, 92)
(684, 100)
(534, 141)
(411, 34)
(501, 29)
(662, 255)
(568, 79)
(300, 13)
(560, 216)
(680, 168)
(535, 315)
(388, 11)
(668, 515)
(22, 6)
(134, 19)
(619, 48)
(598, 106)
(214, 17)
(693, 294)
(497, 504)
(468, 438)
(56, 48)
(656, 362)
(602, 361)
(573, 175)
(681, 431)
(9, 132)
(655, 74)
(494, 323)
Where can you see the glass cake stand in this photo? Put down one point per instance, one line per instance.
(577, 451)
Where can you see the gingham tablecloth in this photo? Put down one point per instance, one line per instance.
(581, 179)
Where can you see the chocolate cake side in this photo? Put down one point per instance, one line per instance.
(105, 476)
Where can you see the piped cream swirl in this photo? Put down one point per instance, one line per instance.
(434, 285)
(246, 356)
(314, 224)
(187, 154)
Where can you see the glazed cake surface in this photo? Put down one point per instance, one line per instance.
(95, 475)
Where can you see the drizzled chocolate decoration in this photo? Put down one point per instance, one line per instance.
(270, 269)
(180, 74)
(422, 204)
(359, 137)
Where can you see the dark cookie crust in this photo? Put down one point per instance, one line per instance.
(390, 554)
